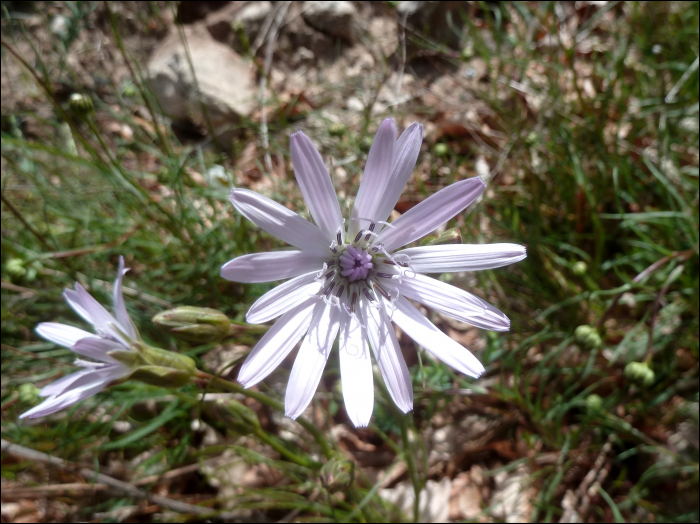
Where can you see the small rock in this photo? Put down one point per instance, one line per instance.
(225, 81)
(336, 18)
(355, 104)
(249, 18)
(512, 496)
(430, 18)
(434, 504)
(465, 498)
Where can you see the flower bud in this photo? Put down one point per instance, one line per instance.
(587, 337)
(365, 143)
(15, 268)
(441, 149)
(593, 403)
(28, 393)
(194, 324)
(336, 129)
(579, 268)
(81, 104)
(451, 236)
(337, 474)
(640, 373)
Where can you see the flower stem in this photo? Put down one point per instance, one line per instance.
(270, 402)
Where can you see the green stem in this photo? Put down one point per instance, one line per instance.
(272, 403)
(412, 467)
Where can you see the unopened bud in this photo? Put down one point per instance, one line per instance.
(81, 104)
(587, 337)
(365, 143)
(579, 268)
(451, 236)
(640, 373)
(337, 474)
(194, 324)
(441, 149)
(28, 393)
(336, 129)
(15, 268)
(593, 403)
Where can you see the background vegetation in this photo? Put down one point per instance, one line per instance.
(583, 116)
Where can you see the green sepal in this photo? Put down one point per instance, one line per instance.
(451, 236)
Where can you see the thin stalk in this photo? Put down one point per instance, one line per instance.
(412, 466)
(272, 403)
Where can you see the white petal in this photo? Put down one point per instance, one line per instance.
(431, 213)
(276, 344)
(283, 298)
(424, 332)
(374, 179)
(61, 334)
(388, 355)
(311, 360)
(59, 386)
(119, 307)
(279, 221)
(463, 257)
(315, 184)
(453, 302)
(102, 319)
(97, 348)
(57, 403)
(356, 371)
(277, 265)
(405, 155)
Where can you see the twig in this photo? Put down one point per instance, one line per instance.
(655, 311)
(26, 224)
(683, 255)
(269, 50)
(100, 478)
(402, 43)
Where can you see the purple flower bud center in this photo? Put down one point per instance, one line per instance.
(355, 263)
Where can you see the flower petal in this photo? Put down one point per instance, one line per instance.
(311, 360)
(375, 178)
(276, 265)
(97, 348)
(405, 155)
(356, 371)
(61, 334)
(279, 221)
(104, 322)
(425, 333)
(276, 344)
(388, 355)
(283, 298)
(453, 302)
(119, 307)
(315, 185)
(463, 257)
(431, 213)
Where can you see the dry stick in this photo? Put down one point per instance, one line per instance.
(26, 224)
(683, 255)
(100, 478)
(269, 49)
(655, 311)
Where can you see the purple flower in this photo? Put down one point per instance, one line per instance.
(354, 283)
(112, 335)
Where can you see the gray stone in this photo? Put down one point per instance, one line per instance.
(335, 18)
(248, 17)
(225, 80)
(430, 19)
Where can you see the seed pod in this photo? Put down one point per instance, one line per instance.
(587, 337)
(81, 105)
(337, 474)
(640, 373)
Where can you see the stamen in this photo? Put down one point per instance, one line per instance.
(329, 289)
(329, 274)
(390, 262)
(352, 302)
(366, 292)
(334, 250)
(382, 291)
(359, 235)
(340, 291)
(339, 237)
(371, 230)
(384, 275)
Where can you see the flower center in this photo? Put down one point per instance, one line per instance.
(355, 263)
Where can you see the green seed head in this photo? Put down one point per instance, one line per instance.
(579, 268)
(587, 337)
(640, 373)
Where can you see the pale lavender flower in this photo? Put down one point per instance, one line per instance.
(111, 335)
(352, 284)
